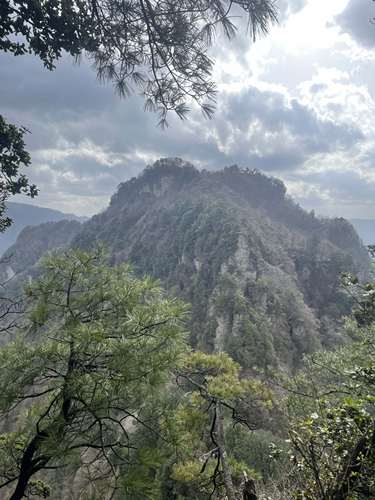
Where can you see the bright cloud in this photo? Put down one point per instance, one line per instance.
(298, 104)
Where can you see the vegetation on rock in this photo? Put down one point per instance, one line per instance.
(100, 378)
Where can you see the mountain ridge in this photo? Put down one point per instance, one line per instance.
(24, 215)
(262, 274)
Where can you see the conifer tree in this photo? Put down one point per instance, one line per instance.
(97, 345)
(215, 396)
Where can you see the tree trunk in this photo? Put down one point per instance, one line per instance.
(229, 488)
(28, 466)
(353, 468)
(249, 490)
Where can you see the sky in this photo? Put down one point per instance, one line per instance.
(298, 104)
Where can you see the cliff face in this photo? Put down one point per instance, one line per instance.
(262, 275)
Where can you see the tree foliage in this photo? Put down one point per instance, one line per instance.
(363, 295)
(97, 345)
(159, 46)
(13, 157)
(215, 397)
(332, 408)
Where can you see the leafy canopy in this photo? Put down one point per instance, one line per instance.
(13, 156)
(214, 398)
(97, 346)
(331, 409)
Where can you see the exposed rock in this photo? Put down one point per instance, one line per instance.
(262, 275)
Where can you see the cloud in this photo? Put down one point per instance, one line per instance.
(336, 193)
(274, 133)
(356, 20)
(288, 7)
(85, 140)
(294, 104)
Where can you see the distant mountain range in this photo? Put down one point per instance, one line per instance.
(24, 215)
(366, 230)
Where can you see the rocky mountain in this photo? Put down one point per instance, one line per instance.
(366, 230)
(24, 215)
(19, 262)
(262, 275)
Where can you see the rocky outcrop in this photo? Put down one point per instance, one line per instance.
(261, 274)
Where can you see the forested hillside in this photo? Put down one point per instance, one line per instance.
(24, 215)
(202, 337)
(261, 274)
(120, 405)
(20, 261)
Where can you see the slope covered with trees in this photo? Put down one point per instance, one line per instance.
(23, 215)
(100, 392)
(20, 261)
(262, 275)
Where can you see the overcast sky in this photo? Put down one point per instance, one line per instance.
(299, 105)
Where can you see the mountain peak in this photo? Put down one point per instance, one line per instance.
(156, 179)
(170, 164)
(261, 274)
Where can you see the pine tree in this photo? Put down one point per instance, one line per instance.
(97, 345)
